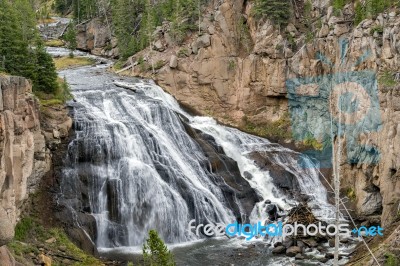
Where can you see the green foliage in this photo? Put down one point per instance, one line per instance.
(21, 51)
(70, 38)
(155, 252)
(134, 22)
(159, 64)
(338, 4)
(386, 79)
(279, 129)
(312, 142)
(22, 229)
(359, 13)
(391, 260)
(183, 52)
(62, 6)
(351, 194)
(279, 11)
(371, 9)
(231, 65)
(46, 75)
(378, 29)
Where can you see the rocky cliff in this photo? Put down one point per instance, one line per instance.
(25, 150)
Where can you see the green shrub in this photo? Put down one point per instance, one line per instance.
(279, 11)
(183, 52)
(386, 79)
(155, 252)
(377, 28)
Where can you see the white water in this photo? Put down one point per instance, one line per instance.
(142, 171)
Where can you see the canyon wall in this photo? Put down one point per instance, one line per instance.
(237, 70)
(25, 150)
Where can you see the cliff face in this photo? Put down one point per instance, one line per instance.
(25, 155)
(95, 36)
(237, 70)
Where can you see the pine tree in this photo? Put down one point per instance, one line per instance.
(46, 75)
(155, 252)
(276, 10)
(70, 38)
(14, 48)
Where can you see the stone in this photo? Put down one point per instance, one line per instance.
(288, 242)
(329, 255)
(293, 251)
(62, 248)
(203, 41)
(310, 242)
(6, 228)
(158, 46)
(278, 250)
(6, 257)
(299, 257)
(44, 260)
(340, 29)
(173, 62)
(331, 242)
(56, 134)
(51, 240)
(300, 244)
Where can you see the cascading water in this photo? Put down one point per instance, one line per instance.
(134, 166)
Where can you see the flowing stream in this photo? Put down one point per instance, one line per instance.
(136, 164)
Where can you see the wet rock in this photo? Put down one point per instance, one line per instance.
(288, 242)
(323, 260)
(300, 244)
(310, 242)
(329, 255)
(299, 257)
(279, 250)
(331, 242)
(293, 251)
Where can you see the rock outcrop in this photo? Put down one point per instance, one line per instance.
(95, 36)
(25, 155)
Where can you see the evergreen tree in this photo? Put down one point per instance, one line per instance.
(21, 51)
(14, 47)
(46, 75)
(155, 252)
(276, 10)
(70, 38)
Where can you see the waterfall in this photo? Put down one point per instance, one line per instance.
(134, 166)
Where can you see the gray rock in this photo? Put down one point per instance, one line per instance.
(310, 242)
(288, 242)
(173, 62)
(203, 41)
(331, 242)
(159, 46)
(278, 250)
(299, 257)
(293, 251)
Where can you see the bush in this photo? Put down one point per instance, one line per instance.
(155, 252)
(276, 10)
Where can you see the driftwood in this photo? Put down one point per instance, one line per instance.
(125, 85)
(301, 214)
